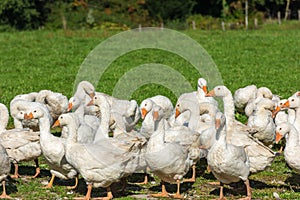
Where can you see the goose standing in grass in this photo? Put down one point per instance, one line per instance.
(100, 164)
(292, 147)
(229, 163)
(4, 170)
(53, 147)
(56, 103)
(262, 121)
(169, 168)
(237, 133)
(20, 144)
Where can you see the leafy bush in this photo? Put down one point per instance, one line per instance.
(23, 14)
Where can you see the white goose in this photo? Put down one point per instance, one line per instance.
(20, 144)
(220, 160)
(146, 109)
(292, 147)
(259, 155)
(169, 168)
(262, 121)
(53, 147)
(99, 164)
(4, 170)
(294, 103)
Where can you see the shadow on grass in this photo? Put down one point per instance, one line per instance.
(30, 171)
(293, 182)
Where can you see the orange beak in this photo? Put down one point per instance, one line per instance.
(91, 103)
(286, 104)
(177, 113)
(56, 123)
(278, 137)
(92, 95)
(30, 116)
(274, 112)
(204, 88)
(144, 113)
(70, 106)
(298, 94)
(155, 115)
(210, 94)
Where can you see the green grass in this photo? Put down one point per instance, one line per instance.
(32, 61)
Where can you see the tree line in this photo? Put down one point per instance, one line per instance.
(79, 14)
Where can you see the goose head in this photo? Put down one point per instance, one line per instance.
(292, 102)
(145, 107)
(281, 130)
(183, 105)
(220, 120)
(157, 113)
(87, 87)
(202, 84)
(98, 101)
(279, 107)
(218, 91)
(37, 111)
(74, 103)
(65, 119)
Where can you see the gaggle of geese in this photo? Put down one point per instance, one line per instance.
(169, 143)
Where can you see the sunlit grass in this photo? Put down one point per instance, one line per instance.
(32, 61)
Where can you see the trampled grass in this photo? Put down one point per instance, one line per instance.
(32, 61)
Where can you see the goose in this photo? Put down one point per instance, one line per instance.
(19, 123)
(293, 102)
(57, 103)
(126, 112)
(202, 91)
(243, 95)
(20, 144)
(262, 121)
(4, 170)
(191, 107)
(160, 100)
(101, 163)
(262, 92)
(237, 133)
(169, 168)
(292, 147)
(53, 148)
(146, 108)
(220, 161)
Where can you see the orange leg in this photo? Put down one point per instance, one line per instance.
(50, 182)
(4, 195)
(145, 180)
(16, 174)
(163, 193)
(74, 186)
(37, 169)
(221, 192)
(248, 190)
(193, 179)
(177, 195)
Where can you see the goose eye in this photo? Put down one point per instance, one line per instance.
(293, 100)
(61, 117)
(219, 88)
(280, 104)
(280, 129)
(145, 104)
(21, 113)
(34, 111)
(95, 97)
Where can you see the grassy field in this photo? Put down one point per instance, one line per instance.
(32, 61)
